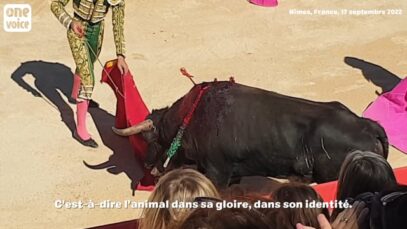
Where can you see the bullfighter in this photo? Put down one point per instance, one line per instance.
(85, 37)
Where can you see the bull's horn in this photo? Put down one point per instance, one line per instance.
(140, 127)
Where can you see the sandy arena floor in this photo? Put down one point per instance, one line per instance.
(298, 55)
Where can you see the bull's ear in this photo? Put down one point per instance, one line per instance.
(157, 114)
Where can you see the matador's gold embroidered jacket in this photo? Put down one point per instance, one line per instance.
(94, 11)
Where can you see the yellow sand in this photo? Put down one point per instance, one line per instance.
(298, 55)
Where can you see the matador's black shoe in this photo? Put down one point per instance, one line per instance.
(89, 143)
(93, 104)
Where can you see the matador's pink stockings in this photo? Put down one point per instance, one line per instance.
(81, 111)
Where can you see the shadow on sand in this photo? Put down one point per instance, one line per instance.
(49, 80)
(53, 79)
(123, 158)
(376, 74)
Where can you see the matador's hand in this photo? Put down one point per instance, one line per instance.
(351, 218)
(77, 28)
(122, 65)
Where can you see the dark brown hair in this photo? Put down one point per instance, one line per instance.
(363, 172)
(288, 217)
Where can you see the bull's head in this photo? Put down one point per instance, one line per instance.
(149, 129)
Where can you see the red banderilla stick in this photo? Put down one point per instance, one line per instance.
(189, 76)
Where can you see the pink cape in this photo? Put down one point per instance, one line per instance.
(130, 110)
(268, 3)
(390, 111)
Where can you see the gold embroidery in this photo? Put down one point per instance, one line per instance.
(114, 2)
(99, 11)
(58, 9)
(88, 5)
(81, 58)
(89, 11)
(118, 27)
(100, 8)
(84, 58)
(100, 38)
(82, 12)
(91, 16)
(86, 9)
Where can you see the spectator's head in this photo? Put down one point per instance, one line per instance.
(364, 172)
(295, 193)
(227, 218)
(182, 185)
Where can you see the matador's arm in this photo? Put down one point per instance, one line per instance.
(58, 9)
(118, 27)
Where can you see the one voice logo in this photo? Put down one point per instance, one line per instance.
(17, 18)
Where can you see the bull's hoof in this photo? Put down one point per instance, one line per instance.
(89, 143)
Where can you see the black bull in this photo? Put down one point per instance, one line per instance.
(238, 131)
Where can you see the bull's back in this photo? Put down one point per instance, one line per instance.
(257, 129)
(238, 96)
(265, 133)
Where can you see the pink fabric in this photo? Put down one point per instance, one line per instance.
(75, 86)
(390, 111)
(81, 111)
(268, 3)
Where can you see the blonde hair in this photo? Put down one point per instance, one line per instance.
(182, 185)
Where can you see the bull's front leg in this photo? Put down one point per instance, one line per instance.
(219, 173)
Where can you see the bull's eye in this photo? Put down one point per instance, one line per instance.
(150, 136)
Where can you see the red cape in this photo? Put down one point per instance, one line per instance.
(130, 110)
(328, 190)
